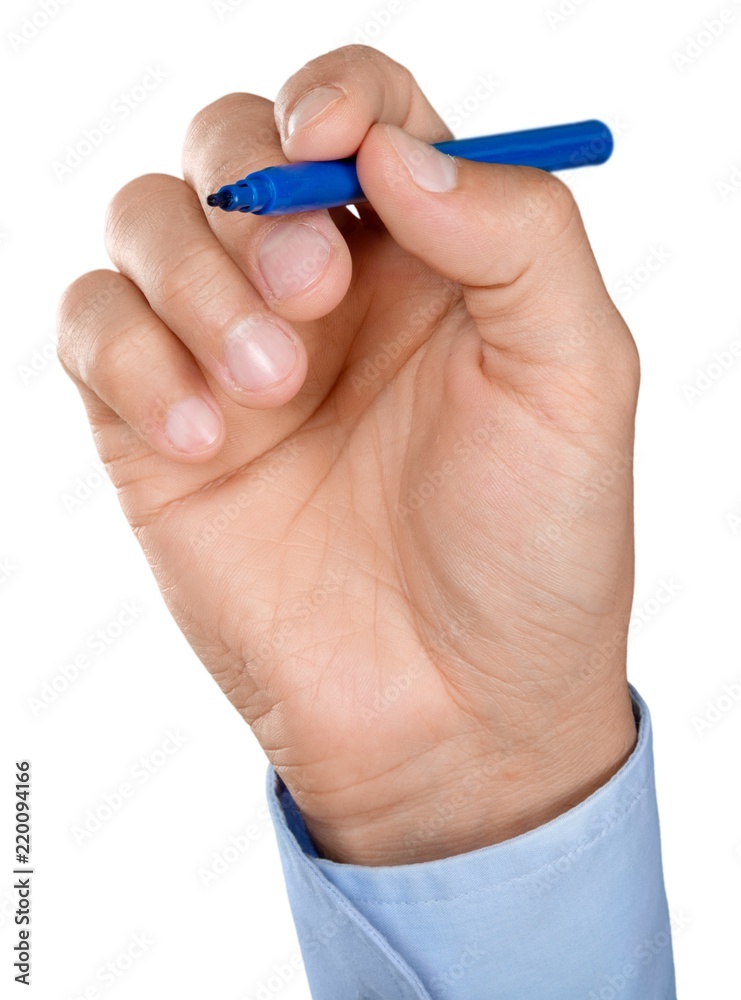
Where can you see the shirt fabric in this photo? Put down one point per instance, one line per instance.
(572, 910)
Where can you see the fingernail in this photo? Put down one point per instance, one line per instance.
(311, 106)
(192, 425)
(258, 353)
(430, 169)
(292, 255)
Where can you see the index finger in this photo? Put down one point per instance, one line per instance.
(324, 111)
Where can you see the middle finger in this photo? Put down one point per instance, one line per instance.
(300, 264)
(158, 237)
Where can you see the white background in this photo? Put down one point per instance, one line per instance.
(66, 572)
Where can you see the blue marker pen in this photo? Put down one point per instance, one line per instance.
(301, 187)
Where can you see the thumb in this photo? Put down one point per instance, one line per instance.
(512, 237)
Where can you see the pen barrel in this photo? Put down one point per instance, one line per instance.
(301, 187)
(557, 147)
(304, 187)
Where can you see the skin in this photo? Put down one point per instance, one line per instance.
(409, 563)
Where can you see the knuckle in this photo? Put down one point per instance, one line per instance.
(554, 198)
(257, 145)
(117, 357)
(339, 65)
(544, 201)
(214, 117)
(80, 308)
(227, 138)
(564, 209)
(190, 277)
(381, 71)
(129, 204)
(356, 52)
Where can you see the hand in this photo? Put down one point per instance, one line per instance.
(381, 468)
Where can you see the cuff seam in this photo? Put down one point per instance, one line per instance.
(518, 878)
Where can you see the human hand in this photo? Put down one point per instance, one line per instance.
(401, 538)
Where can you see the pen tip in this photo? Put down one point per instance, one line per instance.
(222, 199)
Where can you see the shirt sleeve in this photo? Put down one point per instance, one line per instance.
(574, 908)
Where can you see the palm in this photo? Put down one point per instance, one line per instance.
(362, 567)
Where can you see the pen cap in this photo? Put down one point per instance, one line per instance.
(557, 147)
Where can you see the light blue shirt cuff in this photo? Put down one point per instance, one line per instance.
(575, 908)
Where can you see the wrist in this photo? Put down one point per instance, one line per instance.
(497, 794)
